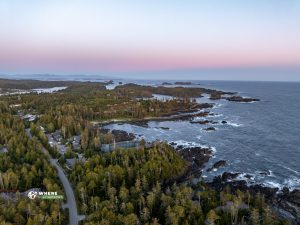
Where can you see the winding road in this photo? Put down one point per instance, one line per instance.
(71, 201)
(74, 218)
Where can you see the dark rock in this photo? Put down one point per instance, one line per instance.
(202, 121)
(241, 99)
(293, 197)
(210, 129)
(166, 83)
(206, 105)
(288, 203)
(217, 165)
(183, 83)
(248, 176)
(164, 128)
(185, 117)
(265, 173)
(119, 135)
(140, 123)
(197, 158)
(215, 95)
(229, 176)
(224, 122)
(285, 204)
(219, 184)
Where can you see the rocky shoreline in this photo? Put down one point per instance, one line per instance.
(197, 157)
(219, 95)
(179, 115)
(119, 135)
(285, 202)
(241, 99)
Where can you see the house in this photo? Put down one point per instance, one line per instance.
(54, 140)
(30, 117)
(62, 149)
(3, 150)
(70, 163)
(57, 136)
(50, 140)
(76, 142)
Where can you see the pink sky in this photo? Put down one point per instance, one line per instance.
(100, 36)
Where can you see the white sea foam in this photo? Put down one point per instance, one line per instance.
(217, 105)
(234, 124)
(242, 177)
(193, 144)
(269, 181)
(213, 149)
(292, 183)
(215, 115)
(273, 184)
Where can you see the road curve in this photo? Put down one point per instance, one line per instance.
(71, 201)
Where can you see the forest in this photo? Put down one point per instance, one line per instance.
(138, 186)
(22, 168)
(133, 186)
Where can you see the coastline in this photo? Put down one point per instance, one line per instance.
(198, 157)
(285, 201)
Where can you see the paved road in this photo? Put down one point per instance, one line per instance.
(71, 202)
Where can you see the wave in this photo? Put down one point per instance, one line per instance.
(267, 181)
(234, 124)
(292, 182)
(296, 172)
(273, 184)
(217, 105)
(192, 144)
(215, 115)
(213, 149)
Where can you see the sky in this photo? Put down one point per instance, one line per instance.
(192, 39)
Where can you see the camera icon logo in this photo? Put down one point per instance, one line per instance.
(32, 194)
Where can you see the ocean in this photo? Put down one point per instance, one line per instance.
(261, 139)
